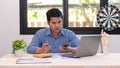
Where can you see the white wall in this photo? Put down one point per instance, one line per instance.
(9, 28)
(9, 25)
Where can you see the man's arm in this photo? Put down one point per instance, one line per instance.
(35, 43)
(73, 43)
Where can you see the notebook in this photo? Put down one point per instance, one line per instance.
(32, 60)
(88, 47)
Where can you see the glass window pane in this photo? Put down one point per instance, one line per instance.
(36, 11)
(82, 13)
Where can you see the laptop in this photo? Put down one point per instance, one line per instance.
(88, 47)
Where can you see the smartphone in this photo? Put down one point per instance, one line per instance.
(66, 45)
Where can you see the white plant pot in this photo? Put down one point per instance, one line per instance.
(19, 53)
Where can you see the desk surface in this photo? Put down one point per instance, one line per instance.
(112, 60)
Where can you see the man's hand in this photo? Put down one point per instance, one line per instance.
(45, 48)
(66, 48)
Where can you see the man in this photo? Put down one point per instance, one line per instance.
(52, 39)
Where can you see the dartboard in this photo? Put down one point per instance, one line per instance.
(108, 17)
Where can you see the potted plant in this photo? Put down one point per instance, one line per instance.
(19, 47)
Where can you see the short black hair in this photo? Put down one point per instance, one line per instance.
(54, 12)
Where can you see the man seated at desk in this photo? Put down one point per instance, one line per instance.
(52, 39)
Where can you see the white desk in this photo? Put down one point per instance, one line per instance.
(112, 60)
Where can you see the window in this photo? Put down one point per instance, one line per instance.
(79, 15)
(36, 11)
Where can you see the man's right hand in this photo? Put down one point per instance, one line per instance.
(45, 48)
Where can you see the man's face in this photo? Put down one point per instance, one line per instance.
(55, 24)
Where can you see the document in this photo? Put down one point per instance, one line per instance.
(32, 60)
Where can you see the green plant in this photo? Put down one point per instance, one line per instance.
(19, 44)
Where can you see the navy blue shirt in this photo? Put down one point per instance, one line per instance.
(43, 35)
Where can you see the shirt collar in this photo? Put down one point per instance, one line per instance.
(49, 32)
